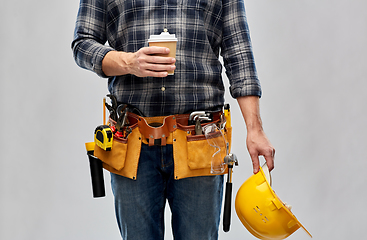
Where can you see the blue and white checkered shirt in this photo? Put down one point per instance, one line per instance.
(204, 29)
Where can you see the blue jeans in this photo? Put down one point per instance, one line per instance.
(195, 202)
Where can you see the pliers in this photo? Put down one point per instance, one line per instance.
(113, 108)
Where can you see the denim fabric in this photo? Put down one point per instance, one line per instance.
(195, 203)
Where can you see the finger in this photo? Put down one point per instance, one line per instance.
(157, 74)
(160, 67)
(144, 72)
(160, 60)
(255, 163)
(143, 59)
(158, 55)
(155, 50)
(269, 158)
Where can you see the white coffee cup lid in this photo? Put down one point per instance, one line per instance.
(163, 37)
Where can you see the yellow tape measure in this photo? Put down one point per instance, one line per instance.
(103, 137)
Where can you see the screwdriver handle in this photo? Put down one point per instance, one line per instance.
(227, 207)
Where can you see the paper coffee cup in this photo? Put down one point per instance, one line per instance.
(165, 40)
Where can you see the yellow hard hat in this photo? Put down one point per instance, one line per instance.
(262, 212)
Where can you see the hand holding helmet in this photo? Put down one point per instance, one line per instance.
(259, 145)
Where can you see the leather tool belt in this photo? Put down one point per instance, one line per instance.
(192, 152)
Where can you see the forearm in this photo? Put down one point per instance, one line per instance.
(250, 109)
(257, 142)
(117, 63)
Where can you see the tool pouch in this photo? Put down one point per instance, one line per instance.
(194, 154)
(216, 147)
(124, 155)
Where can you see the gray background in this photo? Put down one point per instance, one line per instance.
(310, 57)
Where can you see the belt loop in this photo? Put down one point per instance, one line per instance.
(151, 141)
(163, 141)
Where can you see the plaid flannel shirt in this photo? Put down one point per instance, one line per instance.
(204, 28)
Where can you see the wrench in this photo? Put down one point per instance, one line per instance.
(196, 118)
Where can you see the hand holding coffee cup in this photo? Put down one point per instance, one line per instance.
(165, 40)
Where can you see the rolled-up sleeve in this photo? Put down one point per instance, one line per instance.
(237, 51)
(90, 36)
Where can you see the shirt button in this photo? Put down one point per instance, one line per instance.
(163, 89)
